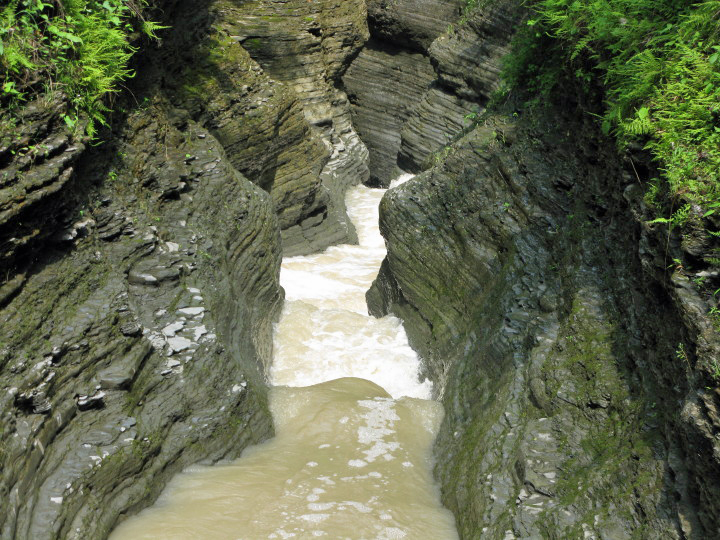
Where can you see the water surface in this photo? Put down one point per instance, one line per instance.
(355, 426)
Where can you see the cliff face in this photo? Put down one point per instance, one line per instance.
(518, 280)
(140, 277)
(575, 369)
(393, 73)
(420, 76)
(124, 358)
(263, 77)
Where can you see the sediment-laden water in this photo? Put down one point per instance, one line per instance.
(355, 426)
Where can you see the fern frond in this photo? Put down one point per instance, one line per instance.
(150, 28)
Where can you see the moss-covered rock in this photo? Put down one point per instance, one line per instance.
(513, 262)
(303, 49)
(140, 276)
(137, 347)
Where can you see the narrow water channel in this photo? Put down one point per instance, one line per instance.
(355, 426)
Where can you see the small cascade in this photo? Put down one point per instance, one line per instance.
(355, 425)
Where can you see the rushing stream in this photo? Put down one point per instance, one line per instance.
(355, 426)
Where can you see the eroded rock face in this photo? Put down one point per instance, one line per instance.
(392, 74)
(468, 60)
(412, 24)
(140, 278)
(385, 84)
(576, 376)
(307, 46)
(515, 265)
(137, 347)
(467, 64)
(421, 75)
(37, 159)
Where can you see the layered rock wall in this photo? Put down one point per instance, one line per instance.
(308, 47)
(124, 357)
(412, 24)
(393, 75)
(140, 276)
(512, 281)
(576, 370)
(385, 84)
(428, 67)
(467, 64)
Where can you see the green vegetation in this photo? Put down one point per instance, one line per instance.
(468, 8)
(715, 370)
(608, 442)
(658, 63)
(80, 48)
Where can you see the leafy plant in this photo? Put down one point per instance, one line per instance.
(714, 313)
(468, 8)
(681, 354)
(715, 370)
(78, 47)
(658, 62)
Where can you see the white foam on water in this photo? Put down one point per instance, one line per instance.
(325, 332)
(335, 343)
(404, 177)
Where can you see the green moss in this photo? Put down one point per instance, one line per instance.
(611, 461)
(253, 44)
(657, 64)
(62, 295)
(207, 73)
(470, 7)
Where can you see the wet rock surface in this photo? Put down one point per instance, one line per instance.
(37, 160)
(101, 406)
(139, 284)
(426, 68)
(303, 49)
(522, 277)
(384, 84)
(412, 24)
(140, 276)
(467, 64)
(527, 277)
(262, 77)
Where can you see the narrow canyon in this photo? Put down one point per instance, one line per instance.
(198, 313)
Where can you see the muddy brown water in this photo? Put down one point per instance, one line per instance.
(354, 425)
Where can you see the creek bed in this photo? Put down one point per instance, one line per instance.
(354, 424)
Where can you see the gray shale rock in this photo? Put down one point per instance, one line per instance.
(421, 75)
(384, 85)
(100, 419)
(301, 140)
(391, 75)
(139, 279)
(37, 160)
(412, 24)
(176, 221)
(514, 265)
(539, 301)
(467, 64)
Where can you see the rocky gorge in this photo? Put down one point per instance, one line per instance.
(575, 360)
